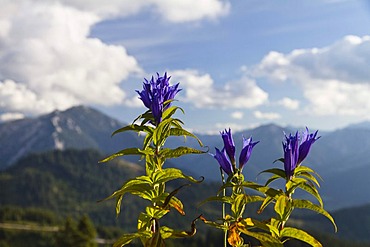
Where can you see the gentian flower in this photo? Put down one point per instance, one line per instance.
(291, 154)
(296, 150)
(246, 152)
(306, 142)
(229, 144)
(226, 157)
(223, 160)
(155, 93)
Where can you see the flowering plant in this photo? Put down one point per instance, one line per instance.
(158, 124)
(273, 231)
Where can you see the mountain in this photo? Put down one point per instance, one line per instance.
(341, 157)
(78, 127)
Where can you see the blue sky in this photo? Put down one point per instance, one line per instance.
(240, 63)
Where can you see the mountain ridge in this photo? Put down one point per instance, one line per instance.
(335, 156)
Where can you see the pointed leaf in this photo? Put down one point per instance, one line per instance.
(127, 151)
(127, 238)
(271, 179)
(297, 203)
(134, 127)
(283, 207)
(183, 132)
(289, 232)
(161, 133)
(170, 111)
(310, 177)
(301, 169)
(266, 239)
(223, 199)
(276, 171)
(179, 151)
(313, 191)
(168, 174)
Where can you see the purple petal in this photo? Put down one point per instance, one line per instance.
(229, 145)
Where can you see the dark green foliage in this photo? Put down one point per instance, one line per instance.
(53, 185)
(81, 234)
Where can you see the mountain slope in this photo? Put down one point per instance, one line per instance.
(78, 127)
(339, 156)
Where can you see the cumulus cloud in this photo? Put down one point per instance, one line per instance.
(201, 91)
(266, 115)
(289, 103)
(237, 115)
(48, 60)
(334, 79)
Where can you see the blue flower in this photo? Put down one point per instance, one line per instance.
(246, 152)
(229, 144)
(226, 157)
(296, 149)
(291, 154)
(223, 160)
(306, 142)
(156, 95)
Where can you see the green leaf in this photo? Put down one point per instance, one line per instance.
(290, 232)
(313, 191)
(292, 184)
(170, 111)
(301, 169)
(127, 151)
(156, 240)
(127, 238)
(310, 177)
(134, 127)
(223, 199)
(155, 212)
(161, 133)
(168, 174)
(147, 140)
(140, 186)
(266, 239)
(238, 205)
(177, 204)
(250, 223)
(283, 207)
(271, 179)
(265, 203)
(183, 132)
(298, 203)
(167, 232)
(213, 224)
(179, 151)
(276, 171)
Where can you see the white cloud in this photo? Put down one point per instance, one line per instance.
(201, 91)
(169, 10)
(10, 116)
(221, 126)
(237, 115)
(48, 60)
(266, 115)
(334, 79)
(289, 103)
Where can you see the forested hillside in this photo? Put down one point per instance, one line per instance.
(44, 189)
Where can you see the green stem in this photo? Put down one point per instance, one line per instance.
(224, 207)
